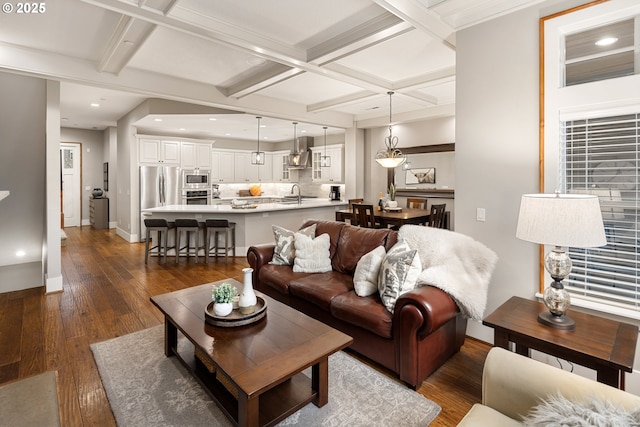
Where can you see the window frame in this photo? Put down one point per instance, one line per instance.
(594, 99)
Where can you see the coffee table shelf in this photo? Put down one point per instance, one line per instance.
(261, 363)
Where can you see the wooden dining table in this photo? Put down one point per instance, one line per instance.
(392, 218)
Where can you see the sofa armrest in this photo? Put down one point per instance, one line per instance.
(434, 306)
(257, 256)
(513, 384)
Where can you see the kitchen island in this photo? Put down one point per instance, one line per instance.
(253, 221)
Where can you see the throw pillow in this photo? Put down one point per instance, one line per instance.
(558, 411)
(398, 273)
(365, 278)
(312, 255)
(285, 251)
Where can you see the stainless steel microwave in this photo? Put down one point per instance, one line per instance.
(195, 179)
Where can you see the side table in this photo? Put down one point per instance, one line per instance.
(605, 345)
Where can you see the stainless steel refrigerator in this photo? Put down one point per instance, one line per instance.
(159, 186)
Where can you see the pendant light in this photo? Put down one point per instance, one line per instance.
(325, 161)
(257, 157)
(390, 157)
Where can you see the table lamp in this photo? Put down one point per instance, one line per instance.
(560, 220)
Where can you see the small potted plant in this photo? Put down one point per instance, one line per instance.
(222, 297)
(392, 197)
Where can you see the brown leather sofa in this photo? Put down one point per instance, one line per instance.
(425, 329)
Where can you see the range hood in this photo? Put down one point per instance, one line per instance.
(299, 158)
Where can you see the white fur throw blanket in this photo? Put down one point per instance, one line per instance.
(455, 263)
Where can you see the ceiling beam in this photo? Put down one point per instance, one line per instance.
(371, 33)
(217, 31)
(267, 76)
(375, 31)
(127, 38)
(435, 78)
(343, 101)
(49, 65)
(421, 18)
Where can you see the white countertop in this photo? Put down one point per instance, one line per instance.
(260, 207)
(3, 194)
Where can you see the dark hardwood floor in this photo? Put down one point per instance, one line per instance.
(106, 294)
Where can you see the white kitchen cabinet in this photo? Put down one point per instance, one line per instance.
(281, 171)
(244, 170)
(158, 151)
(195, 155)
(265, 172)
(222, 166)
(327, 174)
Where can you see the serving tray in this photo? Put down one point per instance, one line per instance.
(236, 318)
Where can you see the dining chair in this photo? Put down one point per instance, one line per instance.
(352, 201)
(416, 203)
(436, 216)
(352, 221)
(363, 216)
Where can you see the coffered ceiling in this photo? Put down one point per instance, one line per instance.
(328, 62)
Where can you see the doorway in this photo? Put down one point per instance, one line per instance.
(70, 175)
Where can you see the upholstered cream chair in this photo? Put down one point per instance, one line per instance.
(513, 384)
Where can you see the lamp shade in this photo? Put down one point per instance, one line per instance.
(561, 220)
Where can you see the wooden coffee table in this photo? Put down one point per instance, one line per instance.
(253, 372)
(605, 345)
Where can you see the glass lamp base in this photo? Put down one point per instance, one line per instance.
(558, 322)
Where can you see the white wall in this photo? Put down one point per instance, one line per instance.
(497, 146)
(110, 155)
(22, 172)
(92, 159)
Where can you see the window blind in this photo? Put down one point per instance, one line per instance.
(600, 157)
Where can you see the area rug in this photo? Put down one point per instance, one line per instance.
(30, 402)
(145, 388)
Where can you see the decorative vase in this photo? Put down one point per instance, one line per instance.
(222, 308)
(248, 299)
(97, 193)
(392, 204)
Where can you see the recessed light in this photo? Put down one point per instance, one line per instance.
(95, 104)
(227, 134)
(213, 119)
(263, 126)
(606, 41)
(157, 119)
(20, 253)
(303, 131)
(183, 128)
(64, 119)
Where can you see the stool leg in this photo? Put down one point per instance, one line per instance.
(177, 245)
(207, 237)
(215, 243)
(166, 244)
(233, 241)
(146, 246)
(197, 243)
(226, 245)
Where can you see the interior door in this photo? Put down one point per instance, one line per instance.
(70, 168)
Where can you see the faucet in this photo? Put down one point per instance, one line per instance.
(299, 198)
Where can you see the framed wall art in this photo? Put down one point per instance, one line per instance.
(420, 176)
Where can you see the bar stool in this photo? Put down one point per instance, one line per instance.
(187, 225)
(161, 226)
(214, 227)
